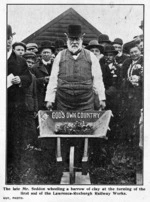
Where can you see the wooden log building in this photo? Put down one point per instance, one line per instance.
(56, 28)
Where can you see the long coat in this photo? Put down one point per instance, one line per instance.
(16, 107)
(41, 71)
(132, 98)
(30, 123)
(111, 84)
(31, 100)
(16, 93)
(130, 91)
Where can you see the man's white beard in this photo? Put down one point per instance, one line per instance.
(72, 48)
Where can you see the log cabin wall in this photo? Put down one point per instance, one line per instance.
(56, 28)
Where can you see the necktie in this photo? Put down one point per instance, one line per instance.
(76, 53)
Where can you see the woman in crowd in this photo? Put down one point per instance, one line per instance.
(132, 93)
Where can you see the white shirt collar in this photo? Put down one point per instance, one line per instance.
(45, 63)
(119, 54)
(76, 56)
(110, 65)
(9, 53)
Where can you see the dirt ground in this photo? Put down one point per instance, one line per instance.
(113, 162)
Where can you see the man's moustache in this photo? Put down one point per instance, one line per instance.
(74, 44)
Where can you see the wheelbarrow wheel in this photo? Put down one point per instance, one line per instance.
(71, 166)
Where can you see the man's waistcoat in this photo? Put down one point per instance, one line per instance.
(75, 70)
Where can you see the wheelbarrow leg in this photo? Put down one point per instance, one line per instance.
(59, 160)
(71, 165)
(85, 158)
(59, 156)
(83, 177)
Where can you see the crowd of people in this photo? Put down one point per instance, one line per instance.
(71, 75)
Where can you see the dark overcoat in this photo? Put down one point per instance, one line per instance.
(16, 107)
(111, 84)
(16, 93)
(41, 71)
(132, 99)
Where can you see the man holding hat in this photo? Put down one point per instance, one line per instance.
(19, 48)
(120, 57)
(18, 80)
(42, 71)
(76, 75)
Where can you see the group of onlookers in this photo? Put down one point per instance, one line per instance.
(122, 70)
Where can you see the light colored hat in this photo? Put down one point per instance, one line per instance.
(95, 44)
(32, 46)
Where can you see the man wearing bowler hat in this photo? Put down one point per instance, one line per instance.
(103, 40)
(111, 76)
(120, 57)
(59, 46)
(42, 71)
(76, 75)
(18, 79)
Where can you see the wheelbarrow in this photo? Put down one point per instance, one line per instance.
(49, 121)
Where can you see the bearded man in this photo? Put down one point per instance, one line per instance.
(76, 76)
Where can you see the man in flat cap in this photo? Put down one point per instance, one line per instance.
(33, 47)
(75, 77)
(18, 80)
(30, 58)
(31, 99)
(19, 48)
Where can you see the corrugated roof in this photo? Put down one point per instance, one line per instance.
(56, 28)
